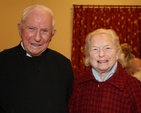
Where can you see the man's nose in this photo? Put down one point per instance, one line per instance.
(37, 36)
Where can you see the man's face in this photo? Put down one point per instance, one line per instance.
(36, 32)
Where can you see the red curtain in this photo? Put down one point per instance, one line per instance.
(126, 21)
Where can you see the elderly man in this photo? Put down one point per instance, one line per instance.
(33, 77)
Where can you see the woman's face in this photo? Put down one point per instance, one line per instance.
(103, 53)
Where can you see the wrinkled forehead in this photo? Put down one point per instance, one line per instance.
(103, 37)
(39, 18)
(38, 14)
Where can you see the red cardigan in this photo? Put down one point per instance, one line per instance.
(119, 94)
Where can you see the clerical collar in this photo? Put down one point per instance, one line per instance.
(26, 52)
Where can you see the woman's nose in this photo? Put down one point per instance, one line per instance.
(101, 53)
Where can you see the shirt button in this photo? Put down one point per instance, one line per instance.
(37, 70)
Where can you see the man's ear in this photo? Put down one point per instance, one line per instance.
(19, 29)
(53, 32)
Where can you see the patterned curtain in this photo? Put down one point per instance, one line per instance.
(126, 21)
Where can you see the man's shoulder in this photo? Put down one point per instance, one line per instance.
(9, 52)
(54, 54)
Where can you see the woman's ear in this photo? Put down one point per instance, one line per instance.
(118, 54)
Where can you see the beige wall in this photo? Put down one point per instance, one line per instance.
(10, 12)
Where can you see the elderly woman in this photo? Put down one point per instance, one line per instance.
(105, 87)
